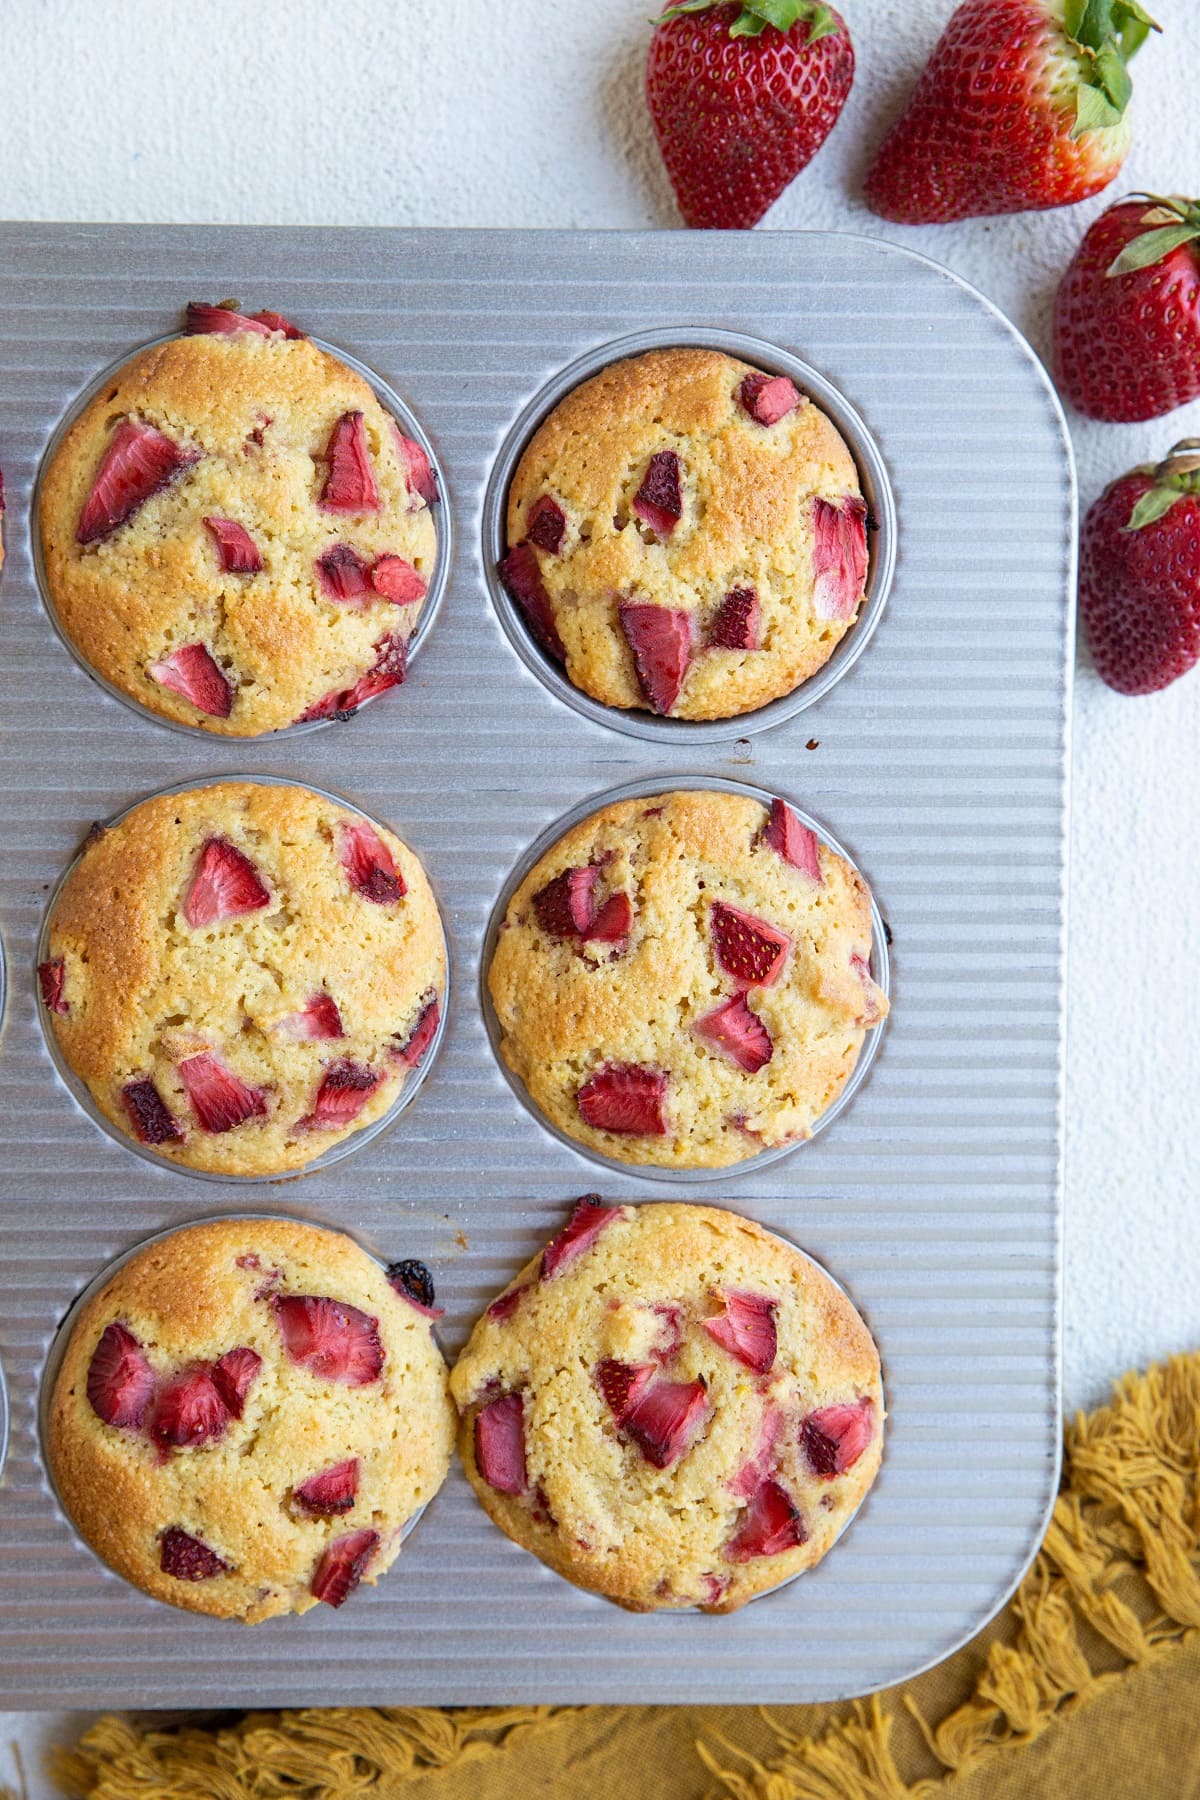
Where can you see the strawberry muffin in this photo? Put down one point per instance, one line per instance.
(671, 1407)
(246, 1416)
(685, 979)
(687, 534)
(235, 533)
(242, 975)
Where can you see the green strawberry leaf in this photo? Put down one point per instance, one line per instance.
(756, 15)
(1152, 246)
(1094, 111)
(1096, 23)
(1154, 504)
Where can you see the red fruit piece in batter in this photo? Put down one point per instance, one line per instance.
(578, 1234)
(139, 462)
(746, 1329)
(192, 672)
(236, 549)
(834, 1437)
(225, 886)
(51, 976)
(349, 480)
(768, 398)
(500, 1444)
(839, 556)
(745, 947)
(369, 865)
(769, 1525)
(220, 1100)
(739, 1033)
(793, 841)
(187, 1559)
(737, 624)
(330, 1338)
(188, 1411)
(333, 1490)
(565, 906)
(234, 1374)
(625, 1097)
(659, 500)
(342, 1566)
(661, 641)
(120, 1381)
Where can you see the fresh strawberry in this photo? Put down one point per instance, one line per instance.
(191, 671)
(139, 462)
(797, 845)
(344, 1090)
(333, 1490)
(226, 885)
(234, 1374)
(396, 580)
(418, 469)
(152, 1119)
(1139, 575)
(369, 864)
(521, 574)
(220, 1100)
(626, 1098)
(342, 576)
(120, 1381)
(349, 481)
(387, 671)
(276, 322)
(747, 948)
(320, 1019)
(414, 1284)
(665, 1418)
(739, 1033)
(330, 1338)
(412, 1051)
(188, 1411)
(222, 320)
(769, 1526)
(839, 556)
(578, 1234)
(1127, 312)
(51, 979)
(342, 1566)
(236, 549)
(737, 622)
(506, 1304)
(565, 907)
(500, 1444)
(768, 398)
(187, 1559)
(742, 96)
(659, 500)
(746, 1329)
(546, 524)
(623, 1385)
(661, 640)
(612, 923)
(1020, 107)
(834, 1437)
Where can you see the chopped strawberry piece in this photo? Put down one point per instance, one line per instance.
(834, 1437)
(745, 947)
(422, 1034)
(341, 1567)
(506, 1305)
(670, 1331)
(768, 398)
(613, 923)
(236, 549)
(387, 671)
(565, 907)
(396, 580)
(349, 481)
(873, 999)
(344, 1091)
(234, 1374)
(623, 1384)
(715, 1589)
(334, 1490)
(661, 641)
(320, 1019)
(192, 672)
(187, 1559)
(222, 321)
(659, 500)
(769, 1526)
(521, 574)
(793, 841)
(220, 1100)
(739, 1033)
(752, 1474)
(368, 863)
(500, 1444)
(139, 462)
(625, 1097)
(665, 1418)
(330, 1338)
(839, 556)
(546, 524)
(152, 1119)
(276, 322)
(51, 976)
(120, 1381)
(578, 1234)
(738, 622)
(413, 1282)
(418, 469)
(188, 1411)
(342, 575)
(226, 885)
(746, 1329)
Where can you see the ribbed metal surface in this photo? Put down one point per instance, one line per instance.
(941, 767)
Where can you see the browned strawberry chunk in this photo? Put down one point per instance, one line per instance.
(768, 398)
(187, 1559)
(500, 1444)
(737, 624)
(344, 1090)
(206, 319)
(394, 579)
(220, 1100)
(225, 886)
(565, 906)
(623, 1384)
(387, 671)
(659, 500)
(839, 556)
(418, 470)
(578, 1234)
(664, 1419)
(120, 1381)
(139, 462)
(746, 1329)
(746, 947)
(349, 480)
(661, 641)
(739, 1033)
(342, 575)
(627, 1098)
(342, 1566)
(506, 1304)
(236, 549)
(51, 978)
(188, 1411)
(793, 841)
(521, 574)
(369, 865)
(234, 1374)
(152, 1119)
(873, 1007)
(414, 1284)
(834, 1437)
(320, 1019)
(330, 1338)
(192, 672)
(333, 1490)
(770, 1525)
(546, 524)
(412, 1052)
(276, 322)
(613, 923)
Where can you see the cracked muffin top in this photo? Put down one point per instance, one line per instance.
(685, 979)
(671, 1407)
(687, 534)
(235, 533)
(247, 1414)
(244, 975)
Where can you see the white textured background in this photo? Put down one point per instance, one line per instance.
(529, 113)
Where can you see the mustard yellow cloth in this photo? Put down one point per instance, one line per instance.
(1087, 1687)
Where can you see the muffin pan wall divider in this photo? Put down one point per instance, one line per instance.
(939, 762)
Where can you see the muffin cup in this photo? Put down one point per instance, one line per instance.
(640, 790)
(877, 491)
(81, 1093)
(412, 428)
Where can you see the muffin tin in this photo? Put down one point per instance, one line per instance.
(940, 759)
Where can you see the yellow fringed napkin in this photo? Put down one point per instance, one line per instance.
(1083, 1647)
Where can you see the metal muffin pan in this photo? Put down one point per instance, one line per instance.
(881, 533)
(81, 1093)
(640, 790)
(941, 760)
